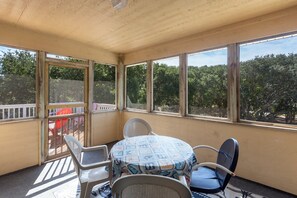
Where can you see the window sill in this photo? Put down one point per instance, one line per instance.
(136, 110)
(106, 111)
(267, 125)
(290, 128)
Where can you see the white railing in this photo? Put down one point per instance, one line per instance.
(18, 111)
(74, 110)
(23, 111)
(97, 107)
(103, 107)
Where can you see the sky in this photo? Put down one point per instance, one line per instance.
(278, 46)
(281, 45)
(172, 61)
(212, 57)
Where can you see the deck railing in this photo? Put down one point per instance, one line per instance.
(23, 111)
(103, 107)
(17, 111)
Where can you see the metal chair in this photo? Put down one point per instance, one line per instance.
(136, 127)
(90, 164)
(147, 186)
(207, 180)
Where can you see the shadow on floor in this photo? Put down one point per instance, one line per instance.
(39, 181)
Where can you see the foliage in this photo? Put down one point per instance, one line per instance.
(104, 84)
(267, 86)
(17, 77)
(136, 85)
(66, 84)
(207, 87)
(166, 87)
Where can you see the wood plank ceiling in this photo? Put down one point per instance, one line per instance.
(141, 24)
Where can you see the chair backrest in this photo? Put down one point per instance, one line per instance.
(147, 186)
(227, 157)
(136, 127)
(75, 149)
(59, 123)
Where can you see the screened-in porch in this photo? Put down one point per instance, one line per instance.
(198, 71)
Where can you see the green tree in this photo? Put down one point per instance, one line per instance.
(66, 84)
(207, 87)
(136, 85)
(104, 84)
(166, 87)
(17, 77)
(268, 88)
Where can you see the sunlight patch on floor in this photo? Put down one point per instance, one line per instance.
(57, 179)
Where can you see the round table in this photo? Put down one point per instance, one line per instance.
(153, 154)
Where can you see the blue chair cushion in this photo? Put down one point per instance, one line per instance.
(205, 185)
(204, 172)
(212, 181)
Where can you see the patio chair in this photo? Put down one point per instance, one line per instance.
(61, 123)
(207, 180)
(136, 127)
(147, 186)
(90, 164)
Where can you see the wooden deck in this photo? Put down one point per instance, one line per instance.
(57, 145)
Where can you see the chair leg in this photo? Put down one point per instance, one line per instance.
(224, 194)
(89, 190)
(83, 188)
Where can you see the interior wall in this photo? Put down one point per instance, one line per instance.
(280, 22)
(19, 145)
(17, 36)
(266, 155)
(105, 127)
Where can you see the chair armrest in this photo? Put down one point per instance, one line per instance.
(183, 180)
(152, 133)
(95, 165)
(215, 165)
(86, 149)
(95, 148)
(205, 146)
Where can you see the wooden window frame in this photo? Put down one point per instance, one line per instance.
(148, 67)
(91, 89)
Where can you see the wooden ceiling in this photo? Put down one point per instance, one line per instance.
(141, 24)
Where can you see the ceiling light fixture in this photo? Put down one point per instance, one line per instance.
(119, 4)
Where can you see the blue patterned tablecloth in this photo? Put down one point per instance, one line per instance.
(153, 154)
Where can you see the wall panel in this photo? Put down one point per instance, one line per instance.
(105, 127)
(19, 145)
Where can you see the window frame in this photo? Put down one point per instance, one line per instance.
(93, 83)
(233, 89)
(254, 122)
(227, 93)
(37, 89)
(180, 67)
(125, 87)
